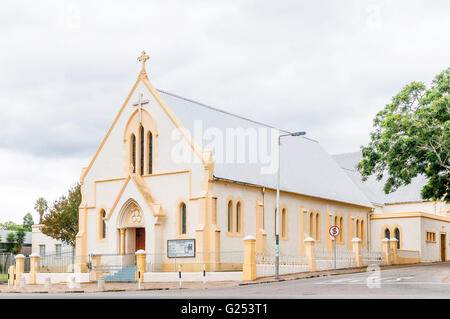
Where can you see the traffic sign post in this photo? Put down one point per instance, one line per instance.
(334, 231)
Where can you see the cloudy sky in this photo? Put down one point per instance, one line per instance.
(325, 67)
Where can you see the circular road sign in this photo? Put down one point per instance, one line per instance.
(334, 231)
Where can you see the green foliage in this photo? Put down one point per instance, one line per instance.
(11, 243)
(411, 138)
(10, 225)
(41, 207)
(61, 222)
(28, 222)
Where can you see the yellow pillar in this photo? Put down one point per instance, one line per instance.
(249, 267)
(140, 265)
(309, 243)
(357, 242)
(20, 261)
(95, 272)
(385, 246)
(12, 276)
(34, 268)
(122, 241)
(393, 244)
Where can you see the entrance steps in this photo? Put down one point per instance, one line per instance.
(126, 274)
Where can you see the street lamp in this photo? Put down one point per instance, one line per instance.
(277, 236)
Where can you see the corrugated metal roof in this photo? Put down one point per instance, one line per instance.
(306, 168)
(374, 188)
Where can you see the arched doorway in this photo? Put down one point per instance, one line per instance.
(131, 227)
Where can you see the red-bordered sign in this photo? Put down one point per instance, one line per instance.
(334, 231)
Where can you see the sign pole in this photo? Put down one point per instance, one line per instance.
(335, 254)
(334, 231)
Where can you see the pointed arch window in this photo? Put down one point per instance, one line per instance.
(183, 219)
(387, 233)
(103, 216)
(142, 153)
(283, 223)
(229, 212)
(317, 232)
(133, 152)
(150, 152)
(397, 236)
(238, 217)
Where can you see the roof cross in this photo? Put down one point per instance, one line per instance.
(144, 57)
(139, 105)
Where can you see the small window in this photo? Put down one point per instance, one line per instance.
(238, 217)
(283, 223)
(141, 137)
(387, 233)
(58, 250)
(103, 216)
(133, 152)
(41, 250)
(150, 153)
(183, 218)
(397, 236)
(229, 209)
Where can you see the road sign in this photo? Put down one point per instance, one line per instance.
(334, 231)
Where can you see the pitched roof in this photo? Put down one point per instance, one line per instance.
(306, 168)
(373, 189)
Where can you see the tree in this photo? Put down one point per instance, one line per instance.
(20, 239)
(41, 207)
(28, 222)
(11, 243)
(10, 225)
(411, 138)
(61, 222)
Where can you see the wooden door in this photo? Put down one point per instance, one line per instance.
(443, 247)
(140, 239)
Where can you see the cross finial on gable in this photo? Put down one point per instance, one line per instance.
(143, 58)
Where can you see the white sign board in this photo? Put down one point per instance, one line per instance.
(180, 248)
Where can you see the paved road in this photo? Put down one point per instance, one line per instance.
(424, 281)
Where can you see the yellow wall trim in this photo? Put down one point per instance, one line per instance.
(410, 215)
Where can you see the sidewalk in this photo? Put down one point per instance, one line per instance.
(118, 286)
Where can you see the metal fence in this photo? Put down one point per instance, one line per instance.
(110, 264)
(61, 262)
(372, 257)
(6, 260)
(325, 258)
(288, 264)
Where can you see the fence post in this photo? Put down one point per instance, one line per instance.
(356, 242)
(20, 261)
(11, 274)
(34, 268)
(249, 267)
(95, 264)
(309, 242)
(387, 250)
(140, 265)
(393, 244)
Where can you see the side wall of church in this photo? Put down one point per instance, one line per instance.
(295, 206)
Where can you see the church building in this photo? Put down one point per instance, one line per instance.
(176, 178)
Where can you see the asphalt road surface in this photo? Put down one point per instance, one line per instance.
(422, 281)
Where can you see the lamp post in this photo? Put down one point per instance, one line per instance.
(277, 236)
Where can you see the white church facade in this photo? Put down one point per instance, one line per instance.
(165, 174)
